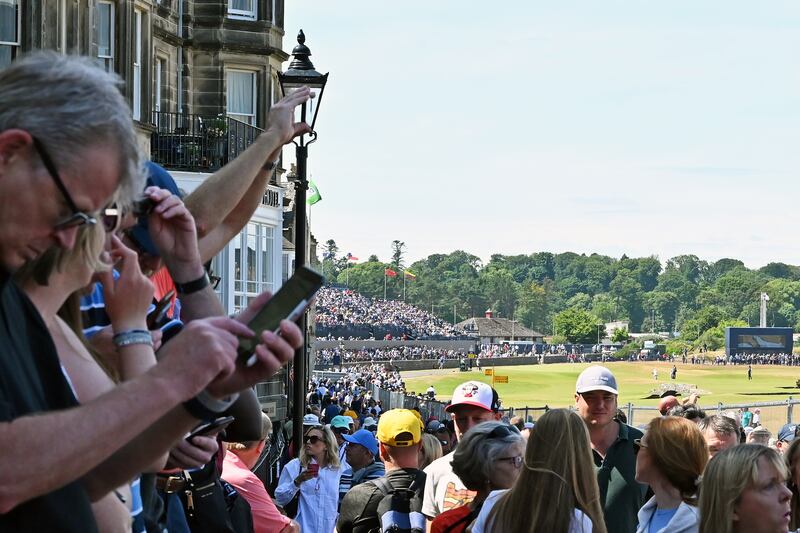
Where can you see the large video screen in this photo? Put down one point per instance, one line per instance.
(761, 341)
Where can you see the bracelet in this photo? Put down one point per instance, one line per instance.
(206, 407)
(131, 337)
(193, 286)
(269, 166)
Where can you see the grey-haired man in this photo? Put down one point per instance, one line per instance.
(67, 145)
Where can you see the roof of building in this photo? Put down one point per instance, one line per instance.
(496, 327)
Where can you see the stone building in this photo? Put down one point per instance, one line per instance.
(200, 76)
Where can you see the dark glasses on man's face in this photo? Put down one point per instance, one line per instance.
(77, 218)
(340, 431)
(312, 439)
(112, 218)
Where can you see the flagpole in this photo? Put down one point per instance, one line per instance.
(385, 275)
(404, 286)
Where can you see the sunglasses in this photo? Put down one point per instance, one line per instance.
(313, 439)
(341, 431)
(638, 445)
(516, 460)
(502, 431)
(77, 218)
(111, 218)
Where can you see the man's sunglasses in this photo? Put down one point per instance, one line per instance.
(112, 218)
(77, 218)
(341, 431)
(312, 439)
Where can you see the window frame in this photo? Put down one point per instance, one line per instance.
(108, 61)
(242, 13)
(136, 97)
(18, 4)
(254, 88)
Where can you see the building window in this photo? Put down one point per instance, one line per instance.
(105, 35)
(254, 273)
(9, 31)
(242, 9)
(159, 102)
(242, 96)
(62, 26)
(137, 64)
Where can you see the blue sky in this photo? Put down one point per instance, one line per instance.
(645, 128)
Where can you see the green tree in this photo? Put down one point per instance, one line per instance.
(366, 278)
(373, 258)
(500, 290)
(578, 325)
(620, 335)
(532, 306)
(398, 251)
(604, 307)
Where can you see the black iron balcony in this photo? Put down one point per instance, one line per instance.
(198, 143)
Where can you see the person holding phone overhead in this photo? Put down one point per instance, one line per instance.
(314, 479)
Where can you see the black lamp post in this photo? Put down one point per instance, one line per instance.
(301, 73)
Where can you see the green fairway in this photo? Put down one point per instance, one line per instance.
(554, 385)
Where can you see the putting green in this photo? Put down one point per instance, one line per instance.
(554, 385)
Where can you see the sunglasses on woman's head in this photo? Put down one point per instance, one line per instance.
(503, 431)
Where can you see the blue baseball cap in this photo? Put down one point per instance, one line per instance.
(787, 432)
(157, 176)
(364, 438)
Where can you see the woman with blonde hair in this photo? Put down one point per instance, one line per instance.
(430, 451)
(313, 479)
(51, 282)
(670, 458)
(744, 491)
(557, 489)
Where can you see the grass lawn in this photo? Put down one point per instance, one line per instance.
(554, 385)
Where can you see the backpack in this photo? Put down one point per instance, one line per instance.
(400, 510)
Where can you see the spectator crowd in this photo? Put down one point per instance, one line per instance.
(347, 308)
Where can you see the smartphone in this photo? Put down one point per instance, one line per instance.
(289, 303)
(215, 425)
(157, 318)
(143, 206)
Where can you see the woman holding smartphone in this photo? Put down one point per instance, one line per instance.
(314, 479)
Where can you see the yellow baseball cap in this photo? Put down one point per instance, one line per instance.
(352, 414)
(400, 428)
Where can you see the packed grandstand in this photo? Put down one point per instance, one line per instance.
(346, 314)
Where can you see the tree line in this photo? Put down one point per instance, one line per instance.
(569, 294)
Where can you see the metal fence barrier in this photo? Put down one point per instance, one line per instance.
(772, 415)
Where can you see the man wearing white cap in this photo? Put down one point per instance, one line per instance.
(612, 447)
(473, 402)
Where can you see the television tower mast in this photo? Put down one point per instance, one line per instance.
(763, 315)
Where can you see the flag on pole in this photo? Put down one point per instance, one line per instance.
(314, 195)
(351, 257)
(391, 273)
(409, 274)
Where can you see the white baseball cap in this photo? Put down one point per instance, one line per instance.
(311, 420)
(596, 378)
(477, 394)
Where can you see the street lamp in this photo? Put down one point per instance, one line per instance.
(301, 73)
